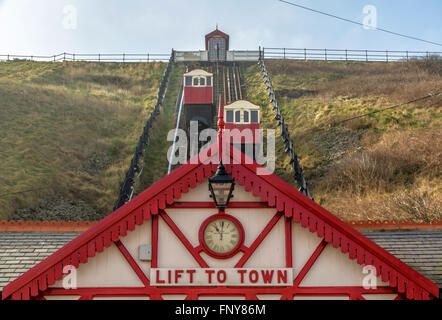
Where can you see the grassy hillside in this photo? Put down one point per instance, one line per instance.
(383, 166)
(67, 134)
(155, 159)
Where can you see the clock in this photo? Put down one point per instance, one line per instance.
(221, 236)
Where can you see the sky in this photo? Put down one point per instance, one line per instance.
(48, 27)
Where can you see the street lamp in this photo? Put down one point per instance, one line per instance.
(221, 187)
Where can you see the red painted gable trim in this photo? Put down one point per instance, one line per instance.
(270, 188)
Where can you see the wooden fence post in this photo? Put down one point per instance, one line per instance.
(284, 53)
(305, 54)
(386, 54)
(366, 55)
(325, 53)
(346, 55)
(124, 55)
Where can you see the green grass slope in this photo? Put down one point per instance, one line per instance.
(383, 166)
(67, 134)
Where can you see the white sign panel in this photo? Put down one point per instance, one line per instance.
(222, 277)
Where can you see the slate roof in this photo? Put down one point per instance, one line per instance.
(420, 249)
(20, 251)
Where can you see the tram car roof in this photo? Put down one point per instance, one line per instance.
(242, 104)
(198, 72)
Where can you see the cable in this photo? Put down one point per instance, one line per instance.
(359, 23)
(430, 95)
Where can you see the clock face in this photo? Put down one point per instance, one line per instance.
(222, 236)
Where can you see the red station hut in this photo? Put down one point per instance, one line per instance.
(185, 237)
(217, 45)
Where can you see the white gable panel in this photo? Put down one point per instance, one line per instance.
(253, 220)
(107, 269)
(334, 268)
(62, 297)
(269, 296)
(221, 298)
(189, 221)
(271, 251)
(142, 235)
(304, 243)
(379, 296)
(222, 263)
(171, 252)
(173, 296)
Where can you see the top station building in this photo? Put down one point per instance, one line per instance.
(217, 45)
(217, 48)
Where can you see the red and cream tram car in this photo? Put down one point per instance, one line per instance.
(198, 97)
(244, 116)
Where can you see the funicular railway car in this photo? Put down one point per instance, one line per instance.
(198, 98)
(244, 116)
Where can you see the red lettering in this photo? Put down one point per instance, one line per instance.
(241, 272)
(169, 274)
(267, 276)
(282, 275)
(158, 277)
(191, 272)
(253, 276)
(178, 275)
(209, 272)
(223, 278)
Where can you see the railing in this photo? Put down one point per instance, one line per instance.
(285, 135)
(127, 188)
(263, 53)
(345, 55)
(93, 57)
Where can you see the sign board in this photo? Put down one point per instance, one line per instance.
(222, 277)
